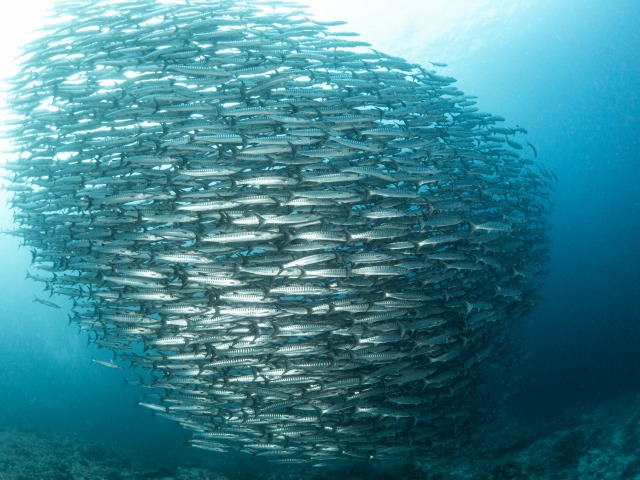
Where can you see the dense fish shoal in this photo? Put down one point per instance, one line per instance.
(309, 250)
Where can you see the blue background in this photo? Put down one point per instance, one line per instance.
(570, 73)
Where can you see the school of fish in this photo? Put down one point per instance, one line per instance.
(310, 250)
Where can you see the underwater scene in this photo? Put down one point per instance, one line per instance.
(264, 239)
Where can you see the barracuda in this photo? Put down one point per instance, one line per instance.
(241, 237)
(312, 251)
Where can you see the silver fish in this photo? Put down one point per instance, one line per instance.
(314, 249)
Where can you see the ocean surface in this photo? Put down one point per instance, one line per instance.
(567, 71)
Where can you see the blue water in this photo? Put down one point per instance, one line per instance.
(570, 72)
(573, 79)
